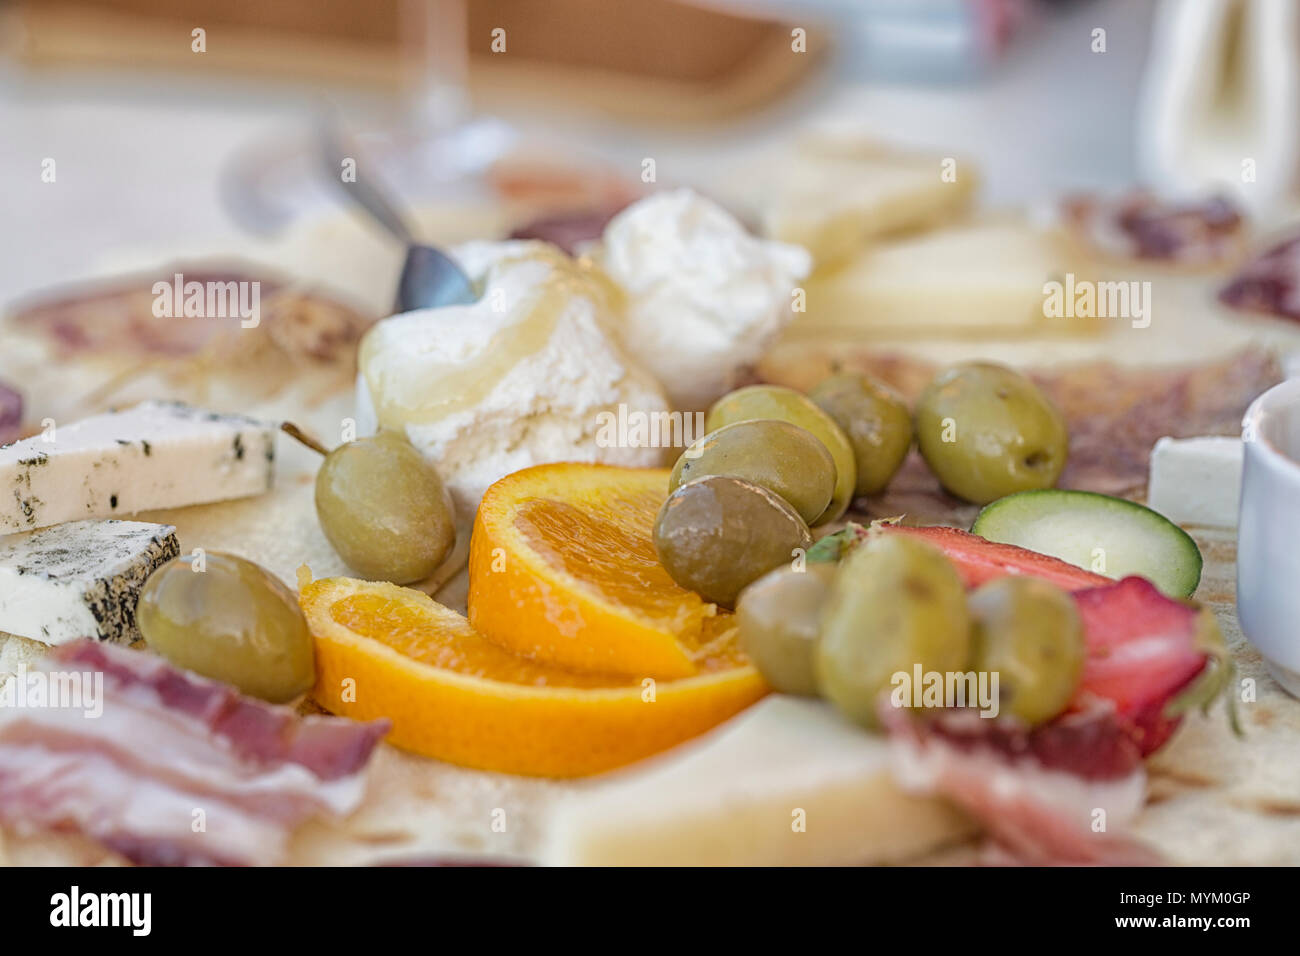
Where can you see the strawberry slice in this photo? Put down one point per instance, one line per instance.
(979, 560)
(1153, 656)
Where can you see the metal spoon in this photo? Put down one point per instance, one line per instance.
(430, 278)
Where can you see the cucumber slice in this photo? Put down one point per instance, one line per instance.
(1112, 536)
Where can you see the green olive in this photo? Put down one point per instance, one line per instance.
(781, 457)
(384, 509)
(987, 432)
(877, 422)
(1028, 632)
(717, 534)
(787, 405)
(230, 620)
(897, 603)
(780, 620)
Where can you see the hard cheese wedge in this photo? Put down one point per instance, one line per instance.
(787, 782)
(832, 206)
(975, 277)
(155, 455)
(80, 579)
(834, 193)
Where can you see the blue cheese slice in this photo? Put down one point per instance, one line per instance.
(154, 455)
(81, 579)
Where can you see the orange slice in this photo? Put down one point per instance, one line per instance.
(385, 651)
(563, 569)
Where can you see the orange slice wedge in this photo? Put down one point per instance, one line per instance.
(563, 569)
(385, 651)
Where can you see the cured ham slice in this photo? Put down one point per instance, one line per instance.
(1040, 813)
(1141, 226)
(1063, 792)
(1269, 283)
(168, 768)
(11, 414)
(569, 230)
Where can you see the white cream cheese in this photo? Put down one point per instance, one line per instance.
(704, 298)
(518, 378)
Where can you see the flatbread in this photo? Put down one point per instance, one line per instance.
(1216, 799)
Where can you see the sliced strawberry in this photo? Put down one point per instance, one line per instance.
(1143, 650)
(980, 560)
(1152, 656)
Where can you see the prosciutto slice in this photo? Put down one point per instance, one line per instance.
(1141, 226)
(11, 414)
(1063, 792)
(168, 768)
(1269, 283)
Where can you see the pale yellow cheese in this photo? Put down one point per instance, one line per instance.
(788, 782)
(832, 206)
(968, 278)
(835, 194)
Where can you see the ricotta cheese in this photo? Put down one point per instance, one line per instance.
(519, 378)
(703, 297)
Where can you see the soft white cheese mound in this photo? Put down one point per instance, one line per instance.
(704, 297)
(519, 378)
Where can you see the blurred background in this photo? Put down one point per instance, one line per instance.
(188, 123)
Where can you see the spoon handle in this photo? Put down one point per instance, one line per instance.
(362, 190)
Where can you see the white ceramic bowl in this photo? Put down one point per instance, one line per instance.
(1268, 535)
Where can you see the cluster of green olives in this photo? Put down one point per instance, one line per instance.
(744, 498)
(775, 463)
(984, 430)
(843, 631)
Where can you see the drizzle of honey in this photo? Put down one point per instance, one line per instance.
(453, 386)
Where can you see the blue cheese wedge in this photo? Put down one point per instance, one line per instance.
(81, 579)
(155, 455)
